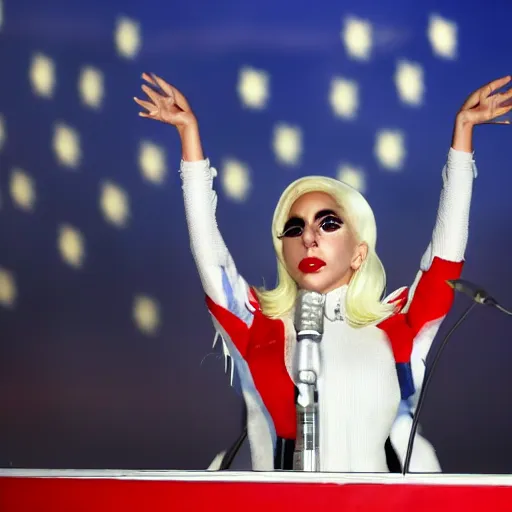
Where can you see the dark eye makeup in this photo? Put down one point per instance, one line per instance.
(293, 228)
(329, 222)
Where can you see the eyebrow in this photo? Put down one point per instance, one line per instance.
(324, 213)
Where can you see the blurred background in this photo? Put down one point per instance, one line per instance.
(106, 356)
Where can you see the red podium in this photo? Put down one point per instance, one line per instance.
(155, 491)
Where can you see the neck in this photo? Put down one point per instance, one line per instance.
(345, 280)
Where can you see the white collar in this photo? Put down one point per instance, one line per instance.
(335, 304)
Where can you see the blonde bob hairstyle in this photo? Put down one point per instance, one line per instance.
(364, 304)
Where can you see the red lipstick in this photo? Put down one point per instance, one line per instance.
(311, 265)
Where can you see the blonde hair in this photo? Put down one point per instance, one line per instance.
(364, 304)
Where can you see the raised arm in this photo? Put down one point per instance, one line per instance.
(220, 279)
(430, 298)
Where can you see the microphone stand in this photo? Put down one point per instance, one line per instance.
(306, 455)
(478, 296)
(428, 378)
(230, 455)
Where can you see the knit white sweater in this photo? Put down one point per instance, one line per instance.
(358, 394)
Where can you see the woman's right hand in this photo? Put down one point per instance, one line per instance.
(167, 105)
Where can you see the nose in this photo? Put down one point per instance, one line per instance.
(309, 237)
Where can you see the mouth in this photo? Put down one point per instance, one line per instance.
(311, 265)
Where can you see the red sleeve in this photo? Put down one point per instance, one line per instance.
(431, 301)
(235, 328)
(433, 297)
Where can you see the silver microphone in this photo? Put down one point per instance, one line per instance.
(309, 325)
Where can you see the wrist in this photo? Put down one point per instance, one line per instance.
(462, 139)
(462, 121)
(191, 142)
(188, 127)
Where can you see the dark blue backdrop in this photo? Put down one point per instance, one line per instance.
(81, 386)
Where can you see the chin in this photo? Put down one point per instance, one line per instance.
(313, 283)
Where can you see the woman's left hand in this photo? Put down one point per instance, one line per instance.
(484, 105)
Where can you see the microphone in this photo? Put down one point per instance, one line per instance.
(478, 296)
(309, 325)
(476, 293)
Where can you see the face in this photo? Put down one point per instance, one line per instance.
(320, 252)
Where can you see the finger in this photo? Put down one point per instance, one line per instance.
(506, 103)
(147, 77)
(502, 111)
(484, 92)
(145, 114)
(494, 117)
(166, 88)
(153, 95)
(496, 122)
(181, 101)
(493, 86)
(472, 100)
(505, 98)
(173, 92)
(145, 104)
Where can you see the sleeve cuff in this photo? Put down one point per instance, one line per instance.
(462, 161)
(199, 169)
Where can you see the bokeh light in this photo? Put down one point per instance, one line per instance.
(66, 145)
(253, 88)
(390, 149)
(71, 246)
(409, 80)
(344, 97)
(42, 75)
(357, 36)
(91, 87)
(127, 37)
(23, 190)
(8, 291)
(235, 179)
(3, 131)
(287, 144)
(353, 176)
(442, 35)
(152, 162)
(146, 314)
(114, 204)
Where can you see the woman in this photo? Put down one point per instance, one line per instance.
(324, 235)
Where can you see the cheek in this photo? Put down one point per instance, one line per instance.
(288, 251)
(338, 248)
(291, 254)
